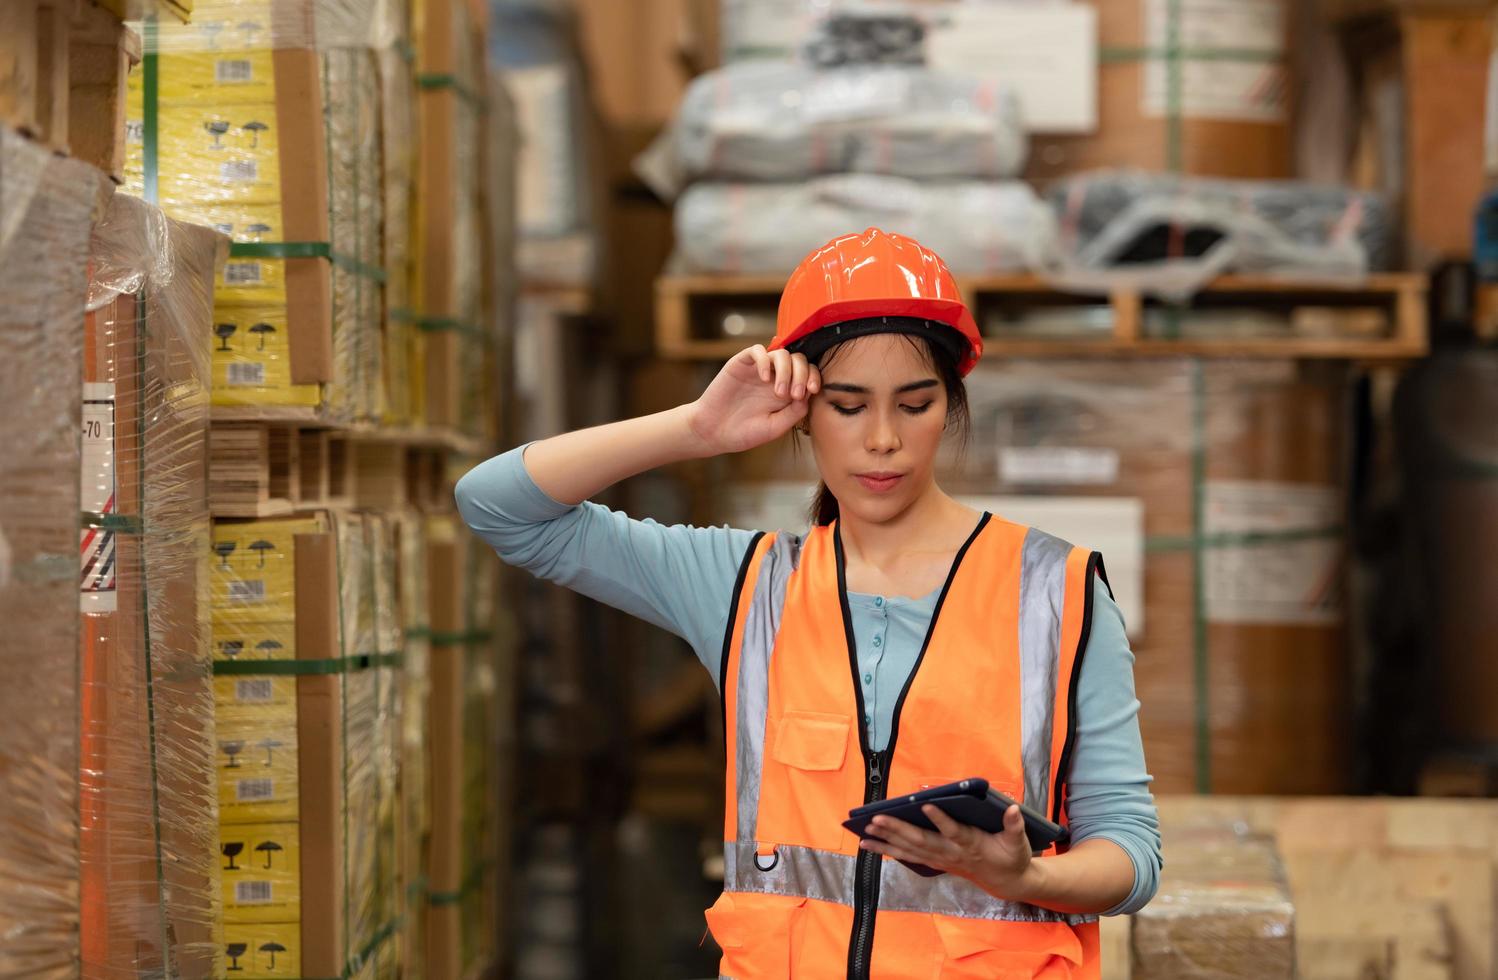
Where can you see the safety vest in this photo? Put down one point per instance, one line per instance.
(992, 694)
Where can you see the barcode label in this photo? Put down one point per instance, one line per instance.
(256, 690)
(251, 590)
(250, 790)
(242, 274)
(235, 70)
(252, 892)
(238, 171)
(246, 373)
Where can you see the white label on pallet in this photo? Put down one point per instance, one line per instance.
(254, 790)
(1251, 576)
(239, 171)
(246, 373)
(228, 71)
(242, 274)
(249, 590)
(1233, 59)
(1058, 466)
(252, 892)
(254, 691)
(96, 545)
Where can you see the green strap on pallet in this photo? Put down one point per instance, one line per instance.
(307, 668)
(306, 250)
(118, 523)
(437, 81)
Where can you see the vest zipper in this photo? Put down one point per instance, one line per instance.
(866, 870)
(866, 879)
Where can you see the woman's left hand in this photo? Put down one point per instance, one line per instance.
(998, 863)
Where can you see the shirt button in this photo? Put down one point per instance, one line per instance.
(878, 600)
(868, 678)
(878, 641)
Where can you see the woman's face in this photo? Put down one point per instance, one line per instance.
(877, 425)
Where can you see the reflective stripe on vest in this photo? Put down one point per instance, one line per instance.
(795, 747)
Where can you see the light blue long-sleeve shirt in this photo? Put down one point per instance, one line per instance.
(681, 578)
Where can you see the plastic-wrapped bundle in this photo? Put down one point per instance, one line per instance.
(977, 227)
(1178, 232)
(46, 209)
(889, 36)
(773, 121)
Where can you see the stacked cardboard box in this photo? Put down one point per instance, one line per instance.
(450, 267)
(263, 119)
(147, 716)
(49, 206)
(309, 752)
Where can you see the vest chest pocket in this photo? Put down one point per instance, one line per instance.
(755, 933)
(811, 740)
(998, 950)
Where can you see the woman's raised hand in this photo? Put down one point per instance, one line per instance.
(755, 399)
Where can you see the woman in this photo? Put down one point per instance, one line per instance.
(905, 641)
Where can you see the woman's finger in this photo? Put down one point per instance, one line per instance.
(799, 368)
(957, 833)
(761, 359)
(1014, 822)
(782, 361)
(909, 835)
(813, 379)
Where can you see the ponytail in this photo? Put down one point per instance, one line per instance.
(823, 507)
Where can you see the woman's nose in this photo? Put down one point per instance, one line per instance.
(882, 436)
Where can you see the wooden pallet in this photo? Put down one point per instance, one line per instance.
(261, 471)
(63, 65)
(1380, 319)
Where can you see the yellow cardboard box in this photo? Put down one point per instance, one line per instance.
(225, 76)
(255, 281)
(257, 768)
(252, 358)
(262, 872)
(254, 570)
(263, 950)
(218, 154)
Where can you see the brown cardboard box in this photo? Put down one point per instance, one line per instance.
(145, 654)
(1207, 143)
(49, 207)
(1223, 911)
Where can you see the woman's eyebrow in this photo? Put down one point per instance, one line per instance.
(861, 390)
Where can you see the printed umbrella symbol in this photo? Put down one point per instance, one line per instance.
(262, 329)
(232, 750)
(268, 648)
(234, 951)
(257, 229)
(212, 29)
(217, 128)
(269, 745)
(250, 29)
(225, 227)
(223, 331)
(232, 850)
(260, 548)
(267, 847)
(272, 949)
(231, 648)
(224, 549)
(254, 128)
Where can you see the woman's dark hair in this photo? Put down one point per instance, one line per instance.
(945, 359)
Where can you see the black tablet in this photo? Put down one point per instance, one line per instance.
(970, 801)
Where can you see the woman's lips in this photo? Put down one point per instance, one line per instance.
(879, 482)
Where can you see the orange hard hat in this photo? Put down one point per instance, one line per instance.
(874, 282)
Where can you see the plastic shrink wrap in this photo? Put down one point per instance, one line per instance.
(977, 227)
(784, 122)
(263, 118)
(1173, 234)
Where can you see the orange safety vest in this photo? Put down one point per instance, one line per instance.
(992, 694)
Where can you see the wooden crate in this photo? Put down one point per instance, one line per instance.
(62, 77)
(1380, 319)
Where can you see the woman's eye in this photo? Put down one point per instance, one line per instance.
(916, 409)
(846, 410)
